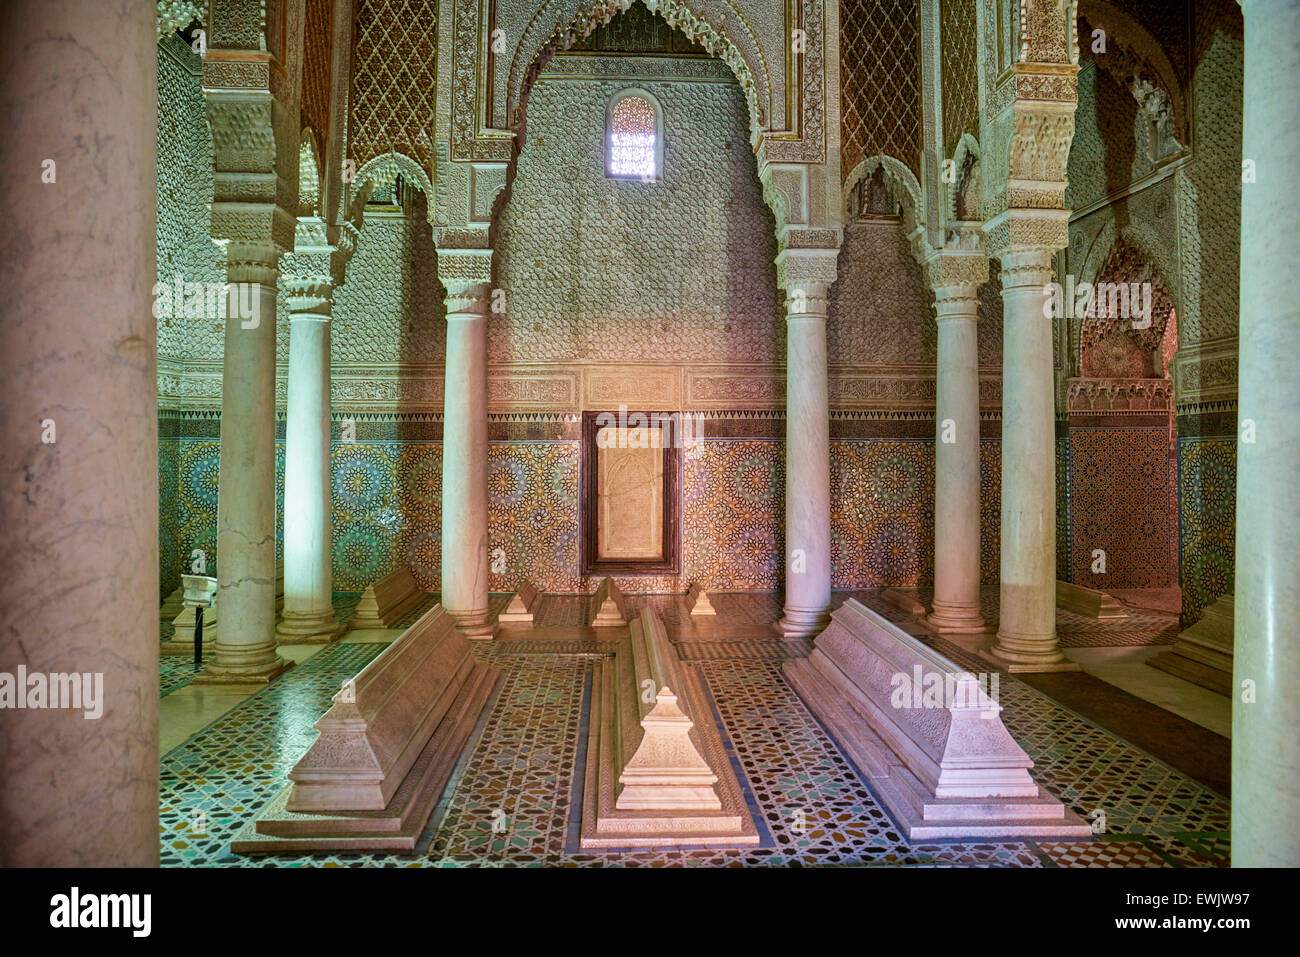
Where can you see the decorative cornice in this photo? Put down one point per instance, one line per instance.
(1120, 395)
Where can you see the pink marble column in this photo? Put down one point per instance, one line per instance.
(466, 275)
(1026, 638)
(806, 276)
(956, 608)
(1266, 653)
(308, 614)
(245, 647)
(78, 415)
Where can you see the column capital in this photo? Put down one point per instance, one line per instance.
(1018, 230)
(956, 271)
(1027, 266)
(466, 274)
(315, 268)
(804, 268)
(251, 260)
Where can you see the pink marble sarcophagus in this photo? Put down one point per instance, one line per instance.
(927, 736)
(386, 750)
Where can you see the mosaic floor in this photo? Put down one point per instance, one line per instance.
(526, 763)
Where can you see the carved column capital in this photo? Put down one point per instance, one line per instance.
(804, 268)
(1027, 266)
(314, 269)
(466, 274)
(251, 260)
(956, 272)
(1021, 230)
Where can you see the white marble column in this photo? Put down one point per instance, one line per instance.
(806, 276)
(1026, 639)
(308, 613)
(1266, 654)
(466, 275)
(78, 418)
(245, 646)
(956, 608)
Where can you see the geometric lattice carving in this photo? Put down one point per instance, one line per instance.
(318, 48)
(880, 81)
(957, 38)
(394, 57)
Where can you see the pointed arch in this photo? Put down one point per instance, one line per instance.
(309, 167)
(965, 186)
(382, 171)
(900, 182)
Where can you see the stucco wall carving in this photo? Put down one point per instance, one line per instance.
(747, 43)
(1208, 190)
(1115, 395)
(184, 191)
(390, 309)
(959, 37)
(594, 268)
(880, 308)
(318, 35)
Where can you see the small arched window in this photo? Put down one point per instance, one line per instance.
(633, 142)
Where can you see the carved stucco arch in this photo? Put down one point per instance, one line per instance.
(968, 150)
(550, 29)
(900, 182)
(309, 167)
(1135, 40)
(381, 171)
(538, 44)
(1142, 240)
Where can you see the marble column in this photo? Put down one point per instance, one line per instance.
(308, 613)
(956, 608)
(78, 416)
(245, 647)
(1026, 639)
(1266, 654)
(806, 280)
(466, 275)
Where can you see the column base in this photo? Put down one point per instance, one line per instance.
(477, 625)
(317, 629)
(956, 620)
(214, 674)
(802, 623)
(1028, 655)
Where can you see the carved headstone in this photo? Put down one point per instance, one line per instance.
(904, 600)
(698, 599)
(657, 770)
(522, 607)
(1203, 652)
(608, 609)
